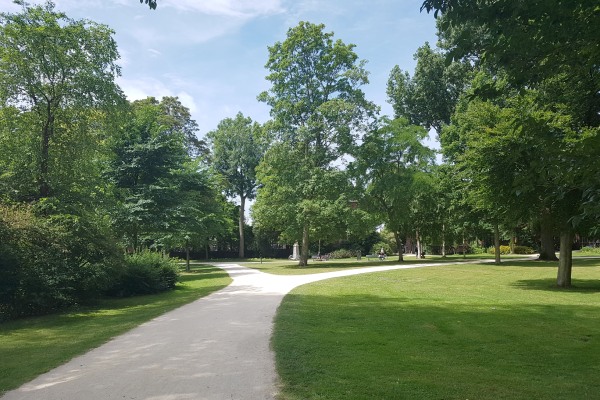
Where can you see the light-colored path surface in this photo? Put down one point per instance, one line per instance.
(214, 348)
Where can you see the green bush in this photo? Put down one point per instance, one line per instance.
(590, 250)
(342, 253)
(51, 262)
(504, 250)
(523, 250)
(145, 273)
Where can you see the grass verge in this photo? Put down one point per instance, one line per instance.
(446, 332)
(32, 346)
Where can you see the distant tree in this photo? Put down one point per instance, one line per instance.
(237, 147)
(430, 96)
(318, 109)
(391, 164)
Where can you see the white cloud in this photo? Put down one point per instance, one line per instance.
(231, 8)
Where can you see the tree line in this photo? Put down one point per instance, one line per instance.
(87, 176)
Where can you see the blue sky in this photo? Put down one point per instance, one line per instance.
(211, 53)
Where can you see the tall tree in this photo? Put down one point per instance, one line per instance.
(550, 47)
(391, 165)
(148, 157)
(237, 146)
(54, 66)
(318, 110)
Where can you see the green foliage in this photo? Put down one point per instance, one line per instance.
(504, 250)
(430, 96)
(392, 164)
(52, 262)
(145, 273)
(590, 250)
(318, 109)
(342, 253)
(56, 70)
(523, 250)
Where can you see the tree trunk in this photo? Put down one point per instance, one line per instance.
(399, 246)
(496, 244)
(547, 252)
(418, 244)
(513, 242)
(47, 131)
(443, 240)
(187, 258)
(304, 251)
(241, 226)
(565, 262)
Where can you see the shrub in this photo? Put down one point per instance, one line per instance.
(145, 273)
(342, 253)
(591, 250)
(51, 262)
(523, 250)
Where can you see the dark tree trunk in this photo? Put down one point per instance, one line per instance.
(399, 246)
(304, 251)
(47, 131)
(565, 262)
(547, 252)
(187, 258)
(241, 226)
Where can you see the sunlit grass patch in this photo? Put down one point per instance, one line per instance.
(448, 332)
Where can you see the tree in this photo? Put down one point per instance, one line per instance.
(430, 96)
(54, 67)
(392, 164)
(237, 147)
(550, 48)
(149, 155)
(318, 109)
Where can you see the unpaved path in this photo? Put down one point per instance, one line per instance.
(214, 348)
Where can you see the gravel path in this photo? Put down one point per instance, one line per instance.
(214, 348)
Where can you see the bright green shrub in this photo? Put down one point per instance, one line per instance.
(504, 250)
(145, 273)
(523, 250)
(590, 250)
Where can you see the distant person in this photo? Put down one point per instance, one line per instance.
(382, 254)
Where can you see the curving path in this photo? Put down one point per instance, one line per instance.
(214, 348)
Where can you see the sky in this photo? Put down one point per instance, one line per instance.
(212, 53)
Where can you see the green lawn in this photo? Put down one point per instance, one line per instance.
(445, 332)
(288, 267)
(31, 346)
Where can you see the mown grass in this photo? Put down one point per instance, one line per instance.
(445, 332)
(289, 267)
(32, 346)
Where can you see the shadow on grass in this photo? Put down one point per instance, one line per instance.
(577, 286)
